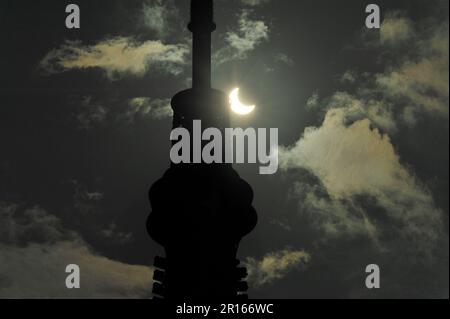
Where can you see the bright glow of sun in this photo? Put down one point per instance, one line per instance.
(237, 106)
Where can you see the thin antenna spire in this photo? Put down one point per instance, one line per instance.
(201, 26)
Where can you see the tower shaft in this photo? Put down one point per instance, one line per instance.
(200, 212)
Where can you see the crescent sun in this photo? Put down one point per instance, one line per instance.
(237, 106)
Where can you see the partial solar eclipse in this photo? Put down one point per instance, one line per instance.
(237, 106)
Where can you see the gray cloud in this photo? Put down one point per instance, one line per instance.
(419, 77)
(117, 57)
(35, 249)
(422, 81)
(160, 16)
(254, 3)
(284, 59)
(313, 101)
(251, 33)
(349, 77)
(19, 226)
(395, 29)
(147, 108)
(90, 113)
(113, 234)
(274, 266)
(241, 42)
(415, 78)
(85, 200)
(357, 107)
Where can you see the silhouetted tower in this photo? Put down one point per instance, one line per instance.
(200, 212)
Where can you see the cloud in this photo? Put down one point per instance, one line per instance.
(111, 233)
(313, 101)
(416, 71)
(18, 226)
(87, 204)
(354, 108)
(353, 161)
(414, 81)
(284, 59)
(250, 34)
(254, 3)
(146, 107)
(38, 271)
(35, 248)
(160, 16)
(90, 113)
(117, 57)
(274, 266)
(422, 81)
(395, 29)
(348, 77)
(242, 42)
(85, 201)
(419, 77)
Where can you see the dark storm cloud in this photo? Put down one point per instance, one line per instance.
(35, 249)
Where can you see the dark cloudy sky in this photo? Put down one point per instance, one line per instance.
(363, 123)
